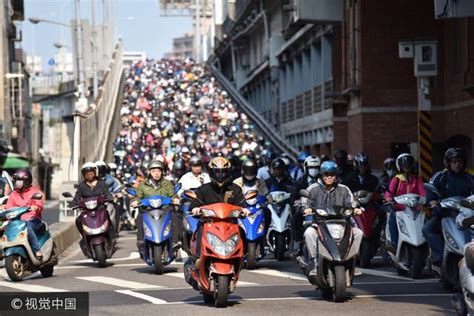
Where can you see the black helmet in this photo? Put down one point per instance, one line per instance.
(279, 164)
(361, 159)
(389, 164)
(25, 176)
(179, 165)
(102, 168)
(195, 161)
(405, 161)
(340, 154)
(454, 153)
(249, 169)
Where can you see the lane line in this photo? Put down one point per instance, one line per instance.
(385, 274)
(142, 296)
(280, 274)
(28, 287)
(119, 282)
(133, 255)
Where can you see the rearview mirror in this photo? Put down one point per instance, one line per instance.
(468, 203)
(431, 188)
(251, 194)
(362, 194)
(131, 191)
(37, 196)
(304, 193)
(190, 194)
(67, 195)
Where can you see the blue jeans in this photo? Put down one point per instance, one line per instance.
(33, 226)
(434, 238)
(392, 226)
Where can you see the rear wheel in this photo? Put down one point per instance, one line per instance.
(280, 246)
(222, 291)
(158, 266)
(339, 284)
(365, 253)
(100, 255)
(16, 267)
(252, 253)
(418, 262)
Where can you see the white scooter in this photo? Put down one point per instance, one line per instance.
(412, 249)
(279, 234)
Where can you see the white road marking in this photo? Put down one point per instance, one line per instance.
(407, 282)
(133, 255)
(119, 282)
(280, 274)
(28, 287)
(401, 295)
(142, 296)
(386, 274)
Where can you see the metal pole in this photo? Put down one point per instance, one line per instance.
(198, 31)
(21, 122)
(82, 95)
(94, 52)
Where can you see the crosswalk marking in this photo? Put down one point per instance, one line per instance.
(142, 296)
(28, 287)
(119, 282)
(133, 255)
(280, 274)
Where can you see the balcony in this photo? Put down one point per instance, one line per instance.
(318, 11)
(241, 6)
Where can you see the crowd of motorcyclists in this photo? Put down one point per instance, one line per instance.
(184, 150)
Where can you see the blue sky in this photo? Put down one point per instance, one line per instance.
(138, 22)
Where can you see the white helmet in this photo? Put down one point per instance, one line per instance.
(311, 166)
(89, 166)
(112, 165)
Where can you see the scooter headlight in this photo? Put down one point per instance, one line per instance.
(230, 244)
(156, 203)
(147, 231)
(336, 230)
(260, 228)
(235, 213)
(167, 230)
(96, 231)
(208, 213)
(216, 244)
(91, 205)
(321, 212)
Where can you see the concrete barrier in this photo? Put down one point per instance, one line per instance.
(64, 235)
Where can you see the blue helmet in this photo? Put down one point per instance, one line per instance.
(328, 166)
(302, 156)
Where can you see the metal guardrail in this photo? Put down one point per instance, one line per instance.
(66, 213)
(264, 127)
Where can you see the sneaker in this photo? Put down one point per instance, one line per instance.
(39, 255)
(436, 269)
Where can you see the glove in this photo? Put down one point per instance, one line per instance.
(468, 222)
(245, 212)
(307, 211)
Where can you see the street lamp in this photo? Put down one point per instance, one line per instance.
(36, 20)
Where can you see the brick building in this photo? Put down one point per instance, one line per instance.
(335, 80)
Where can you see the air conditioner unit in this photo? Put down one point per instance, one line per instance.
(318, 11)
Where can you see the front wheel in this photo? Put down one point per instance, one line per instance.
(252, 254)
(339, 284)
(158, 266)
(418, 262)
(280, 246)
(100, 255)
(222, 291)
(47, 271)
(16, 267)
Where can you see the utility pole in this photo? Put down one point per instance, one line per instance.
(198, 31)
(95, 83)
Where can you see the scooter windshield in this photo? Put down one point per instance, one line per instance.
(156, 201)
(410, 199)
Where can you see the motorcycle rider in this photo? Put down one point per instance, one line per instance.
(263, 172)
(91, 186)
(327, 191)
(156, 184)
(22, 196)
(249, 181)
(221, 189)
(453, 181)
(194, 178)
(311, 175)
(179, 169)
(298, 171)
(361, 178)
(389, 171)
(279, 179)
(406, 181)
(111, 182)
(344, 168)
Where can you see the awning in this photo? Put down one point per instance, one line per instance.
(15, 161)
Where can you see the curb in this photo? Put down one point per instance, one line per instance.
(64, 235)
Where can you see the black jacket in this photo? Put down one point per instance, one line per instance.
(304, 182)
(367, 182)
(85, 191)
(210, 193)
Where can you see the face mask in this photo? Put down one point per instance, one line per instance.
(19, 184)
(249, 178)
(313, 172)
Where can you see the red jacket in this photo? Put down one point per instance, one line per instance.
(399, 186)
(20, 199)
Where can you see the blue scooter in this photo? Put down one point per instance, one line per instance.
(19, 257)
(254, 227)
(190, 224)
(158, 251)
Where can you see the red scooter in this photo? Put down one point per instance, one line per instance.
(98, 234)
(217, 270)
(368, 222)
